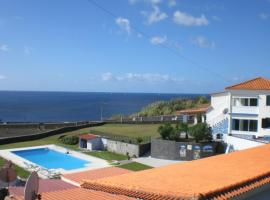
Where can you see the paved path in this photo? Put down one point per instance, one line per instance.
(155, 162)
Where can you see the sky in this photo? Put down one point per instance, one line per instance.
(159, 46)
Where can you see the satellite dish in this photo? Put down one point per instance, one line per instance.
(31, 187)
(8, 173)
(225, 111)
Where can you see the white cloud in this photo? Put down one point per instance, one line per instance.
(4, 47)
(27, 50)
(264, 16)
(2, 77)
(124, 24)
(158, 40)
(185, 19)
(203, 42)
(146, 77)
(154, 16)
(172, 3)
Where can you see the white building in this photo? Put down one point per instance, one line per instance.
(241, 110)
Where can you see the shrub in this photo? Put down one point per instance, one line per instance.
(182, 128)
(71, 140)
(139, 140)
(201, 132)
(167, 132)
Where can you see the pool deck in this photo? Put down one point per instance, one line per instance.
(96, 163)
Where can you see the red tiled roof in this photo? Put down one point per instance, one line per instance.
(79, 194)
(45, 185)
(193, 110)
(254, 84)
(95, 174)
(222, 176)
(88, 136)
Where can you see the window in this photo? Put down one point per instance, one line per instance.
(266, 123)
(236, 123)
(246, 101)
(253, 102)
(245, 125)
(268, 100)
(253, 125)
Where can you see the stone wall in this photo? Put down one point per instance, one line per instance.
(171, 150)
(124, 148)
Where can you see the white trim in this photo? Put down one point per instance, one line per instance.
(95, 162)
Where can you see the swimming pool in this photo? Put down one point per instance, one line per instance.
(51, 159)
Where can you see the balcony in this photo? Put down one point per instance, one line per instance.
(245, 110)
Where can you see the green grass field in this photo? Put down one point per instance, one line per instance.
(145, 131)
(134, 166)
(126, 130)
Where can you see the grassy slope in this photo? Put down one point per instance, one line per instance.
(134, 166)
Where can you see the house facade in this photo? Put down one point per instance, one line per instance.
(241, 110)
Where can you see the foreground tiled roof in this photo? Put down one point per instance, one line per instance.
(220, 177)
(79, 194)
(95, 174)
(254, 84)
(45, 185)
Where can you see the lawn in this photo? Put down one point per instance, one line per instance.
(20, 171)
(106, 155)
(145, 131)
(134, 166)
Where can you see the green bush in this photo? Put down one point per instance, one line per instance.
(167, 132)
(71, 140)
(201, 132)
(139, 140)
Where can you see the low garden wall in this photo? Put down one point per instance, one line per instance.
(136, 150)
(172, 150)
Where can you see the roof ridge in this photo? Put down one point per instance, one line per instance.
(133, 192)
(247, 81)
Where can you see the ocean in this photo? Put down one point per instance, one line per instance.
(74, 106)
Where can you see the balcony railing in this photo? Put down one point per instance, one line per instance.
(245, 109)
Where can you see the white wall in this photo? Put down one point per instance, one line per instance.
(239, 143)
(263, 110)
(219, 102)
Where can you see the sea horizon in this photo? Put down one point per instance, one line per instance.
(52, 106)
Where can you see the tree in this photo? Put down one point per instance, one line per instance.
(182, 128)
(167, 132)
(201, 132)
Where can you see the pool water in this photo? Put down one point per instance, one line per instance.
(51, 159)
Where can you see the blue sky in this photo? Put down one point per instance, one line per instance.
(163, 46)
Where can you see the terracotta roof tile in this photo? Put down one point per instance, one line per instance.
(95, 174)
(88, 136)
(254, 84)
(45, 185)
(217, 176)
(193, 110)
(79, 194)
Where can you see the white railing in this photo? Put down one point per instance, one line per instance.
(245, 109)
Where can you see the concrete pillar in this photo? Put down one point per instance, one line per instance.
(185, 119)
(195, 119)
(203, 118)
